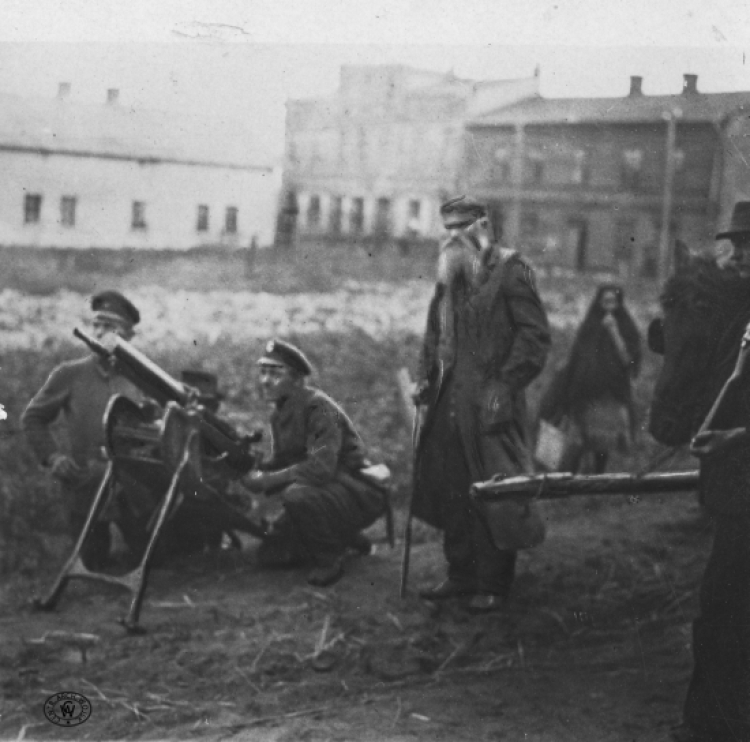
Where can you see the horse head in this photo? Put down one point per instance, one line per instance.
(703, 307)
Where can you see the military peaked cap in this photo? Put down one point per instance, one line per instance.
(740, 223)
(461, 211)
(281, 353)
(206, 383)
(114, 303)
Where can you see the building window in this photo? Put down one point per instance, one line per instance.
(138, 215)
(502, 157)
(32, 208)
(313, 212)
(415, 209)
(357, 216)
(529, 226)
(580, 174)
(632, 164)
(230, 221)
(383, 216)
(68, 211)
(202, 223)
(535, 169)
(337, 210)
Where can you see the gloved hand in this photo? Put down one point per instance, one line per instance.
(711, 441)
(266, 481)
(63, 467)
(421, 392)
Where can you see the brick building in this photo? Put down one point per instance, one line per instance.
(378, 157)
(608, 183)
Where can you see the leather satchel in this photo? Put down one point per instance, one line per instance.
(513, 524)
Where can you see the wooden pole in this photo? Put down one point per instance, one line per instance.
(514, 222)
(562, 485)
(667, 198)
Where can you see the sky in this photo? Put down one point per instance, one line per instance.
(242, 59)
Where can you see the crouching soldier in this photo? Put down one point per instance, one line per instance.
(317, 467)
(79, 391)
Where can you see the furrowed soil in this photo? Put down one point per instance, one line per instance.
(594, 644)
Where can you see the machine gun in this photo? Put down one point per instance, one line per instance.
(181, 459)
(154, 382)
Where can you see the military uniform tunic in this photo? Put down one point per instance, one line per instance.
(318, 458)
(80, 391)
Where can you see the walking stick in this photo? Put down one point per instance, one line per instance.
(420, 413)
(729, 384)
(415, 432)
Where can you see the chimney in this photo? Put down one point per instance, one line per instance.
(690, 84)
(63, 90)
(112, 96)
(635, 85)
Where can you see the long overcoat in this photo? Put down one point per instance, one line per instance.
(502, 338)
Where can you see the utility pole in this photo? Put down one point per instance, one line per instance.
(668, 194)
(514, 223)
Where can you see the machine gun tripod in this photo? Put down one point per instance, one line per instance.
(175, 457)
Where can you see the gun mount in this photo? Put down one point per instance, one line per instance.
(182, 459)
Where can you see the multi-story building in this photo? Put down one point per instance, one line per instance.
(610, 182)
(380, 156)
(110, 176)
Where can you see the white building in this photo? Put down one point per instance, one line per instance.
(110, 176)
(382, 154)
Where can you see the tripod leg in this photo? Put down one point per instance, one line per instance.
(140, 574)
(74, 565)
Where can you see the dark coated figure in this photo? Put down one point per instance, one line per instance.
(593, 389)
(487, 338)
(706, 314)
(319, 469)
(79, 392)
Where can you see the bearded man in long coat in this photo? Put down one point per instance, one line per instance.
(487, 338)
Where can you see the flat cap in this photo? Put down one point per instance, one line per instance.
(114, 304)
(282, 353)
(461, 211)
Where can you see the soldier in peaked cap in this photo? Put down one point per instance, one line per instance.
(487, 338)
(79, 392)
(318, 468)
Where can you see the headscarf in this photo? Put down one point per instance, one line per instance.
(594, 369)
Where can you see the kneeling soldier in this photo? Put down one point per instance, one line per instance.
(317, 466)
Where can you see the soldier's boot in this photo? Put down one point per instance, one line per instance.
(360, 544)
(448, 589)
(327, 572)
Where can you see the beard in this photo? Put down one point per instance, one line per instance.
(461, 257)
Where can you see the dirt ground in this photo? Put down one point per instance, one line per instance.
(595, 644)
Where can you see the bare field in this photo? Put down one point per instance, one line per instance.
(595, 645)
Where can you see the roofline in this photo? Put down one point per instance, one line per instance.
(666, 99)
(141, 160)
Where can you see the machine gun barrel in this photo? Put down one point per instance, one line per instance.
(156, 383)
(561, 485)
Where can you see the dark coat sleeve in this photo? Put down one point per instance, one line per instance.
(324, 438)
(428, 357)
(43, 410)
(531, 341)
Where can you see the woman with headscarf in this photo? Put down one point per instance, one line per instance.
(593, 390)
